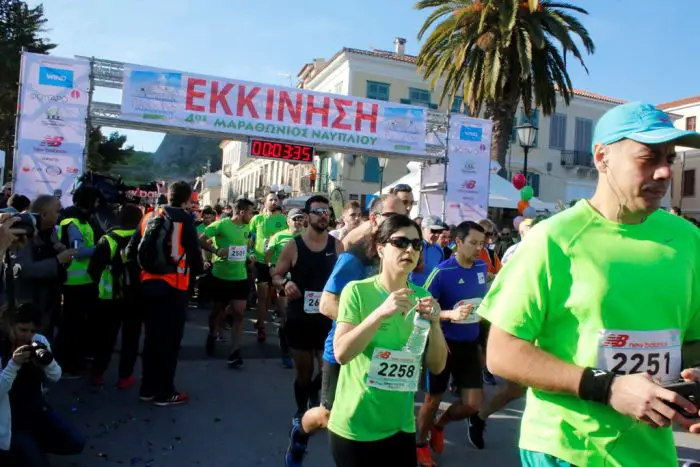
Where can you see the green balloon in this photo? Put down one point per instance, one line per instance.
(527, 193)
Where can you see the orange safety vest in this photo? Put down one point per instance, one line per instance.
(178, 280)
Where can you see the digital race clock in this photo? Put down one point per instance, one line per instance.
(289, 152)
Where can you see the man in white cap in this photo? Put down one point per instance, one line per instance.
(600, 308)
(432, 254)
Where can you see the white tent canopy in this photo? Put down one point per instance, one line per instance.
(502, 194)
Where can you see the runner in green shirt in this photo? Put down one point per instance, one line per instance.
(230, 238)
(373, 413)
(262, 227)
(295, 222)
(601, 306)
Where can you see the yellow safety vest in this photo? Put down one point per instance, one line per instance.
(106, 285)
(78, 269)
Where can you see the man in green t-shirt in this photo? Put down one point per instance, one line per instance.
(228, 238)
(295, 223)
(262, 227)
(600, 308)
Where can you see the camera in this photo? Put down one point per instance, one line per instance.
(40, 353)
(27, 222)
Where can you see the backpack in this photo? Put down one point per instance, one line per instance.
(154, 251)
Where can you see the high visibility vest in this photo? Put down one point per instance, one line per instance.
(106, 285)
(78, 269)
(178, 280)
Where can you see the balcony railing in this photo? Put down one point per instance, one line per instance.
(576, 159)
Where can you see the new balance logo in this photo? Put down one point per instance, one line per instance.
(616, 340)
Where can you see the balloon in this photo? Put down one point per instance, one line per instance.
(519, 181)
(522, 205)
(530, 213)
(527, 193)
(517, 221)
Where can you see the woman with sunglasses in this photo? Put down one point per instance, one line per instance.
(373, 416)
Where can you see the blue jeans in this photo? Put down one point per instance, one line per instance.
(51, 434)
(540, 459)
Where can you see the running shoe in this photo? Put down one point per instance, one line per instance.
(294, 456)
(235, 360)
(176, 399)
(437, 439)
(126, 383)
(489, 378)
(475, 431)
(287, 363)
(425, 459)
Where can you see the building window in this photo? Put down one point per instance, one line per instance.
(690, 123)
(688, 188)
(457, 105)
(338, 88)
(419, 96)
(371, 170)
(378, 91)
(557, 131)
(583, 135)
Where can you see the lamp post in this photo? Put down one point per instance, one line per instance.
(527, 134)
(383, 161)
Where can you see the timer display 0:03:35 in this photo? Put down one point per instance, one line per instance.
(285, 151)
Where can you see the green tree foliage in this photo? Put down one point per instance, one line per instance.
(106, 151)
(497, 53)
(20, 26)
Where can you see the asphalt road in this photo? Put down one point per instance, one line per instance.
(237, 418)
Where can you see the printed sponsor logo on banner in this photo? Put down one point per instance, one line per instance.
(60, 77)
(48, 159)
(470, 133)
(72, 170)
(469, 185)
(52, 141)
(36, 95)
(53, 170)
(469, 167)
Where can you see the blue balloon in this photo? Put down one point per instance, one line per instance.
(530, 213)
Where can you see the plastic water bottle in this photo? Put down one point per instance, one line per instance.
(419, 336)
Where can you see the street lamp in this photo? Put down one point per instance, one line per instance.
(383, 161)
(527, 134)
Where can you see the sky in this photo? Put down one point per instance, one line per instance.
(643, 48)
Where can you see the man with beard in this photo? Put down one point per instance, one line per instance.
(310, 259)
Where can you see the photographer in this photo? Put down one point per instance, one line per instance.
(29, 427)
(39, 266)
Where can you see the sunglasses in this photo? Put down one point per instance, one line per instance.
(404, 242)
(401, 187)
(320, 211)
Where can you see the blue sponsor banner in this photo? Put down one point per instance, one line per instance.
(52, 76)
(470, 133)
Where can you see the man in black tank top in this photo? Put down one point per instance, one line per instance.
(309, 259)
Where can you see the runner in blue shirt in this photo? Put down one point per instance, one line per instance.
(458, 284)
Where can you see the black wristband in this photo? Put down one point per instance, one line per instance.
(595, 385)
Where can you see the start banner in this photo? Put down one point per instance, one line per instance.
(51, 129)
(174, 98)
(468, 169)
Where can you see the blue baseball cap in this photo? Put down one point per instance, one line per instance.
(642, 123)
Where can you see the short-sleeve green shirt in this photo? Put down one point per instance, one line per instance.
(225, 234)
(590, 291)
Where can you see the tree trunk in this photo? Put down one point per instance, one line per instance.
(502, 113)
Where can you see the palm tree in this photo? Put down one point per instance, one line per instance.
(497, 53)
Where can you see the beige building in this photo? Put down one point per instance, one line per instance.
(684, 189)
(559, 166)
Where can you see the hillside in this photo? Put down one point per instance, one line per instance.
(183, 156)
